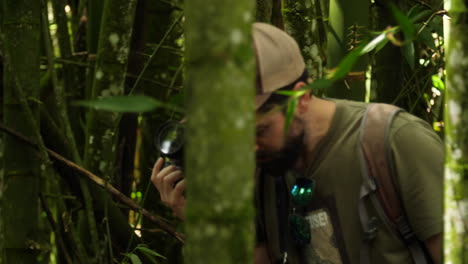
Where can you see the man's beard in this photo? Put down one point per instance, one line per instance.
(279, 162)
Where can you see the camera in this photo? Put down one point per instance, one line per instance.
(170, 141)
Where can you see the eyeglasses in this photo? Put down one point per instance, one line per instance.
(302, 193)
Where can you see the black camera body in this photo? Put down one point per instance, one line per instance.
(170, 141)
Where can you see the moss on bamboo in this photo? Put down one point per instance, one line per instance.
(111, 63)
(456, 131)
(20, 166)
(219, 158)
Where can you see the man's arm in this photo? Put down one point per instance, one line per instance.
(419, 156)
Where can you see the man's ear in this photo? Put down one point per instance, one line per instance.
(303, 100)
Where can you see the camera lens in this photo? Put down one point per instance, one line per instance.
(170, 138)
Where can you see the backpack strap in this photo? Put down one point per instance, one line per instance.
(378, 185)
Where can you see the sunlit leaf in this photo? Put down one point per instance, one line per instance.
(131, 104)
(295, 94)
(149, 251)
(405, 23)
(408, 53)
(346, 64)
(381, 45)
(320, 84)
(290, 112)
(437, 82)
(381, 39)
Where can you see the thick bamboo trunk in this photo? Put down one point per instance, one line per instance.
(101, 127)
(73, 88)
(111, 63)
(348, 23)
(388, 63)
(20, 184)
(456, 131)
(219, 157)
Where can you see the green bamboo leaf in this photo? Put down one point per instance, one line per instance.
(381, 44)
(425, 37)
(408, 53)
(437, 82)
(405, 23)
(375, 43)
(320, 84)
(292, 103)
(436, 24)
(294, 94)
(131, 104)
(134, 258)
(414, 10)
(151, 258)
(149, 251)
(346, 64)
(421, 16)
(418, 13)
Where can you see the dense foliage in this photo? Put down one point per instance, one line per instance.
(89, 82)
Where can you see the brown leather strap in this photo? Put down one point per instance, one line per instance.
(373, 140)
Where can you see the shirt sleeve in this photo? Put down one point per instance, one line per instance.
(419, 159)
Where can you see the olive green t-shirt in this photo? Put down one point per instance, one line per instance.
(333, 212)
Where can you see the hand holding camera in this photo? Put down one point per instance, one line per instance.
(171, 186)
(167, 176)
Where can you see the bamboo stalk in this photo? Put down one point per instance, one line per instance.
(55, 228)
(71, 88)
(111, 61)
(20, 179)
(456, 137)
(64, 123)
(218, 51)
(59, 90)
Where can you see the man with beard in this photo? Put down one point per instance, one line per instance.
(309, 178)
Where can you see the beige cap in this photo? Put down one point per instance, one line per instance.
(279, 60)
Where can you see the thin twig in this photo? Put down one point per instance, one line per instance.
(54, 226)
(127, 74)
(148, 62)
(438, 13)
(97, 180)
